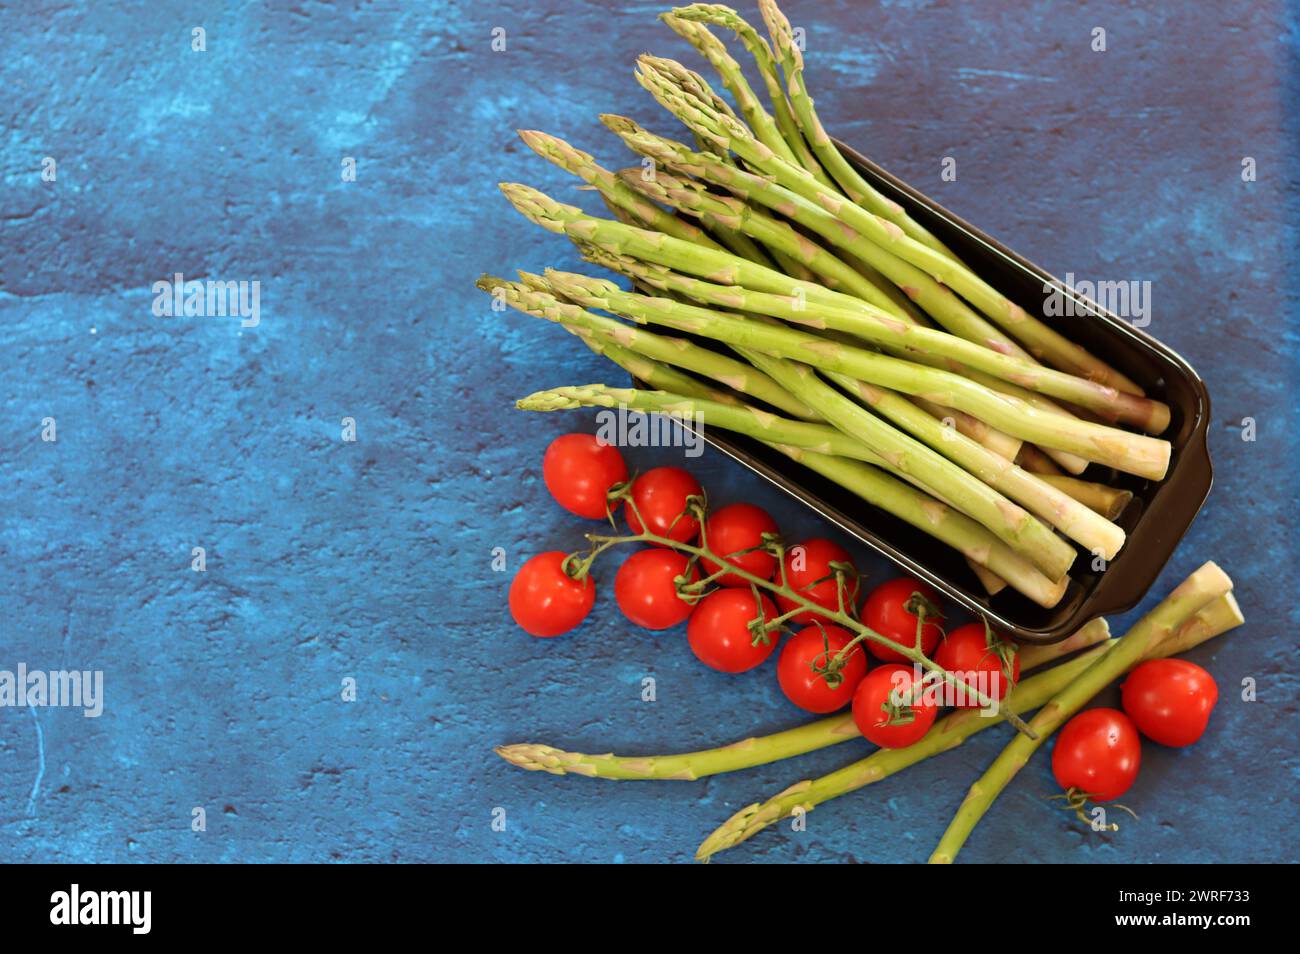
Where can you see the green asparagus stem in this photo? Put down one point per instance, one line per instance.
(1212, 620)
(1035, 461)
(853, 185)
(1107, 501)
(733, 78)
(875, 487)
(688, 197)
(1132, 453)
(758, 48)
(747, 753)
(688, 766)
(1044, 343)
(947, 308)
(585, 167)
(1004, 445)
(967, 491)
(992, 583)
(726, 371)
(1207, 584)
(902, 337)
(937, 519)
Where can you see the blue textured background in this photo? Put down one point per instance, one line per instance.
(371, 559)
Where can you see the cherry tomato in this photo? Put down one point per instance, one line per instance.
(545, 600)
(719, 631)
(645, 590)
(871, 699)
(809, 562)
(1170, 700)
(660, 497)
(579, 471)
(982, 665)
(885, 611)
(812, 691)
(733, 529)
(1098, 753)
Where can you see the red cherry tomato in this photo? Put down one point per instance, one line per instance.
(579, 471)
(885, 611)
(805, 565)
(1170, 700)
(660, 497)
(983, 666)
(812, 691)
(719, 631)
(645, 591)
(1098, 753)
(545, 600)
(870, 702)
(734, 529)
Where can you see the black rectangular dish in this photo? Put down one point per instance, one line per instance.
(1156, 519)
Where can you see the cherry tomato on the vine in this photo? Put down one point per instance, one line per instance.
(1098, 752)
(983, 666)
(885, 611)
(579, 471)
(806, 564)
(1170, 700)
(545, 600)
(645, 590)
(872, 701)
(736, 528)
(811, 647)
(660, 496)
(719, 631)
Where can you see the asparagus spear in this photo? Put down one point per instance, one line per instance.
(762, 53)
(533, 296)
(1035, 461)
(949, 310)
(852, 184)
(992, 583)
(1132, 453)
(747, 753)
(1010, 523)
(686, 196)
(1211, 620)
(1043, 342)
(1004, 445)
(903, 338)
(733, 78)
(869, 483)
(1203, 587)
(611, 188)
(914, 459)
(589, 232)
(1107, 501)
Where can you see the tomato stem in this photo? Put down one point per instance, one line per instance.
(771, 543)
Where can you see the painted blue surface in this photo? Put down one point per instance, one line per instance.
(371, 559)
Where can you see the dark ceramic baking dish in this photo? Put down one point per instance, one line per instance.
(1156, 519)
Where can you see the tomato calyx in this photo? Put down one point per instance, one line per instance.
(1077, 801)
(1002, 649)
(760, 630)
(920, 606)
(829, 664)
(619, 492)
(897, 712)
(575, 567)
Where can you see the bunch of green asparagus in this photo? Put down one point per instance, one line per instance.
(796, 304)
